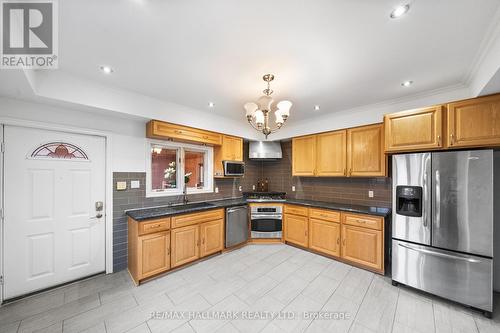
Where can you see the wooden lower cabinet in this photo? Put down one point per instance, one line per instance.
(154, 254)
(296, 229)
(212, 237)
(324, 237)
(363, 246)
(185, 245)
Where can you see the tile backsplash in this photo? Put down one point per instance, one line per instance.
(279, 174)
(330, 189)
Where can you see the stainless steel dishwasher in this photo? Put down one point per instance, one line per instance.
(236, 225)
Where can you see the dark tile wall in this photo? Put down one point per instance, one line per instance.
(136, 198)
(341, 190)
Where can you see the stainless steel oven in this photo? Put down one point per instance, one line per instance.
(266, 221)
(234, 168)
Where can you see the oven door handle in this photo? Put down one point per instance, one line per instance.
(258, 217)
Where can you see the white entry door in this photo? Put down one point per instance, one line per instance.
(52, 235)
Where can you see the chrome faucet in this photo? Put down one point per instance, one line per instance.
(185, 196)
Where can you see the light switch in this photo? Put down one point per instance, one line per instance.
(253, 187)
(135, 184)
(293, 188)
(239, 188)
(370, 194)
(216, 190)
(121, 186)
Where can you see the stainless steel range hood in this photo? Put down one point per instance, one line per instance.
(265, 150)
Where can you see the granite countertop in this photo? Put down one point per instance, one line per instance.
(165, 211)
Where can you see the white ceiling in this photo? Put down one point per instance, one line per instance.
(339, 54)
(173, 57)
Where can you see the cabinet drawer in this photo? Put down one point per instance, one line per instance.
(326, 215)
(195, 218)
(296, 210)
(154, 226)
(365, 221)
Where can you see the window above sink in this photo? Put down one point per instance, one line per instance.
(171, 165)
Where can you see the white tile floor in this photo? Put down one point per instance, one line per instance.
(254, 280)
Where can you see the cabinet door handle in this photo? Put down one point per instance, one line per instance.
(168, 251)
(338, 241)
(343, 242)
(452, 138)
(344, 172)
(305, 232)
(439, 140)
(203, 241)
(350, 171)
(178, 131)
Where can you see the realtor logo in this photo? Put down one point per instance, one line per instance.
(29, 34)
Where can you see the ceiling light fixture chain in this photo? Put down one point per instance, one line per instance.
(258, 113)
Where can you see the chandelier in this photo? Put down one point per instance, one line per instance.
(258, 113)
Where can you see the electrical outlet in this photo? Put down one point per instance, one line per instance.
(239, 188)
(253, 187)
(370, 194)
(216, 190)
(135, 184)
(293, 188)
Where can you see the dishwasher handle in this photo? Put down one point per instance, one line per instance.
(235, 209)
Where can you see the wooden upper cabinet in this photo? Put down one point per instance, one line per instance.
(414, 130)
(232, 148)
(154, 254)
(474, 122)
(296, 229)
(365, 151)
(304, 156)
(161, 130)
(212, 237)
(331, 154)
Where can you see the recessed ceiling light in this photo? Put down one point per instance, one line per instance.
(400, 11)
(316, 108)
(106, 69)
(407, 83)
(211, 104)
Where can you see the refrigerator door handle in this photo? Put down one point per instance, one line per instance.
(437, 206)
(439, 254)
(426, 179)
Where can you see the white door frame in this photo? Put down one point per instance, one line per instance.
(109, 180)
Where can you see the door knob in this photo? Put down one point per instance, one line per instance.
(99, 206)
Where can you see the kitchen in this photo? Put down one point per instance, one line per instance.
(138, 202)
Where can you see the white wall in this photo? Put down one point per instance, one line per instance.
(128, 135)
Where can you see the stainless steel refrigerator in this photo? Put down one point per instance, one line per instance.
(443, 224)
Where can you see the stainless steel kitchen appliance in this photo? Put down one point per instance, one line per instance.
(236, 225)
(266, 221)
(264, 196)
(234, 168)
(443, 224)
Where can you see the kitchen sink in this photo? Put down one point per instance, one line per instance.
(200, 205)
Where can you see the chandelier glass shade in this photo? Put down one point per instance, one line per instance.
(258, 114)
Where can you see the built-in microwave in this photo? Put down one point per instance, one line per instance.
(234, 168)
